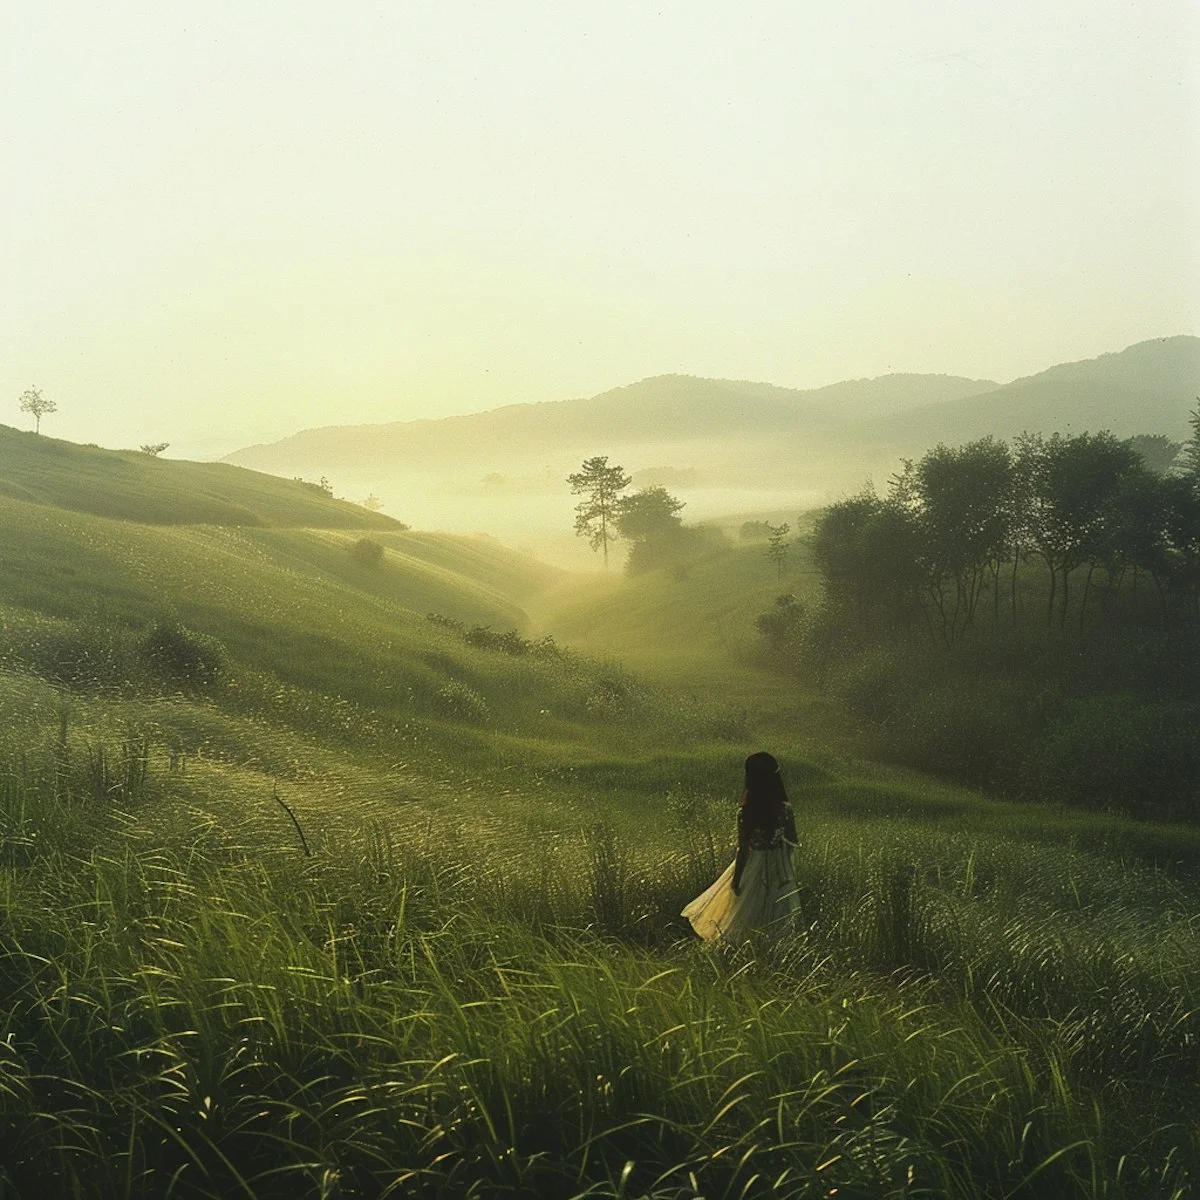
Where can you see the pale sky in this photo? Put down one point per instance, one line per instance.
(236, 220)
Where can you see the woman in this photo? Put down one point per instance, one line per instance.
(758, 888)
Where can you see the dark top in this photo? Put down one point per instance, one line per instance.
(753, 835)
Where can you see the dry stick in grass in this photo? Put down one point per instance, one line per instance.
(303, 839)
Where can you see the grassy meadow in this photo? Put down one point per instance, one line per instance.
(305, 894)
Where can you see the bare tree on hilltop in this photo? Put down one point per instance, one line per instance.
(33, 402)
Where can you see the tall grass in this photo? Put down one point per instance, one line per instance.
(437, 1003)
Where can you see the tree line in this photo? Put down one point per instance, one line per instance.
(946, 546)
(1022, 617)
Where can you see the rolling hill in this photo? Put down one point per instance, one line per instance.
(98, 546)
(129, 485)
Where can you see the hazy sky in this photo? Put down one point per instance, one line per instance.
(234, 220)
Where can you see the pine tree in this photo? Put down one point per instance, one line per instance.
(596, 514)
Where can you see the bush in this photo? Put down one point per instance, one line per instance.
(782, 625)
(876, 685)
(915, 708)
(367, 552)
(675, 550)
(610, 699)
(976, 732)
(461, 703)
(484, 637)
(180, 655)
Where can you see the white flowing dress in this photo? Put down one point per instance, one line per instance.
(766, 898)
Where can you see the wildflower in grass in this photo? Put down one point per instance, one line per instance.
(759, 887)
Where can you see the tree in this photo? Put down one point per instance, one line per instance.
(366, 552)
(651, 513)
(777, 548)
(1131, 536)
(650, 520)
(32, 401)
(754, 530)
(1158, 452)
(1189, 457)
(596, 514)
(372, 503)
(870, 554)
(959, 500)
(153, 449)
(1076, 480)
(1183, 537)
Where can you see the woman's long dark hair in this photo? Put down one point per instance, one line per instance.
(765, 796)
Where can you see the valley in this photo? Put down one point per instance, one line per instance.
(305, 892)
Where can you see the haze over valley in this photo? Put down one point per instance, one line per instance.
(730, 450)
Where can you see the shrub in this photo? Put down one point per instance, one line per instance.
(675, 550)
(180, 655)
(485, 637)
(782, 625)
(461, 703)
(367, 552)
(609, 699)
(916, 709)
(975, 732)
(874, 686)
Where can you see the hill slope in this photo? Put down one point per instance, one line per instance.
(1148, 388)
(132, 486)
(262, 565)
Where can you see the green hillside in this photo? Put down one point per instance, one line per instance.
(294, 603)
(132, 486)
(305, 894)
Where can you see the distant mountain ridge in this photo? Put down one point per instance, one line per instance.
(664, 409)
(1147, 388)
